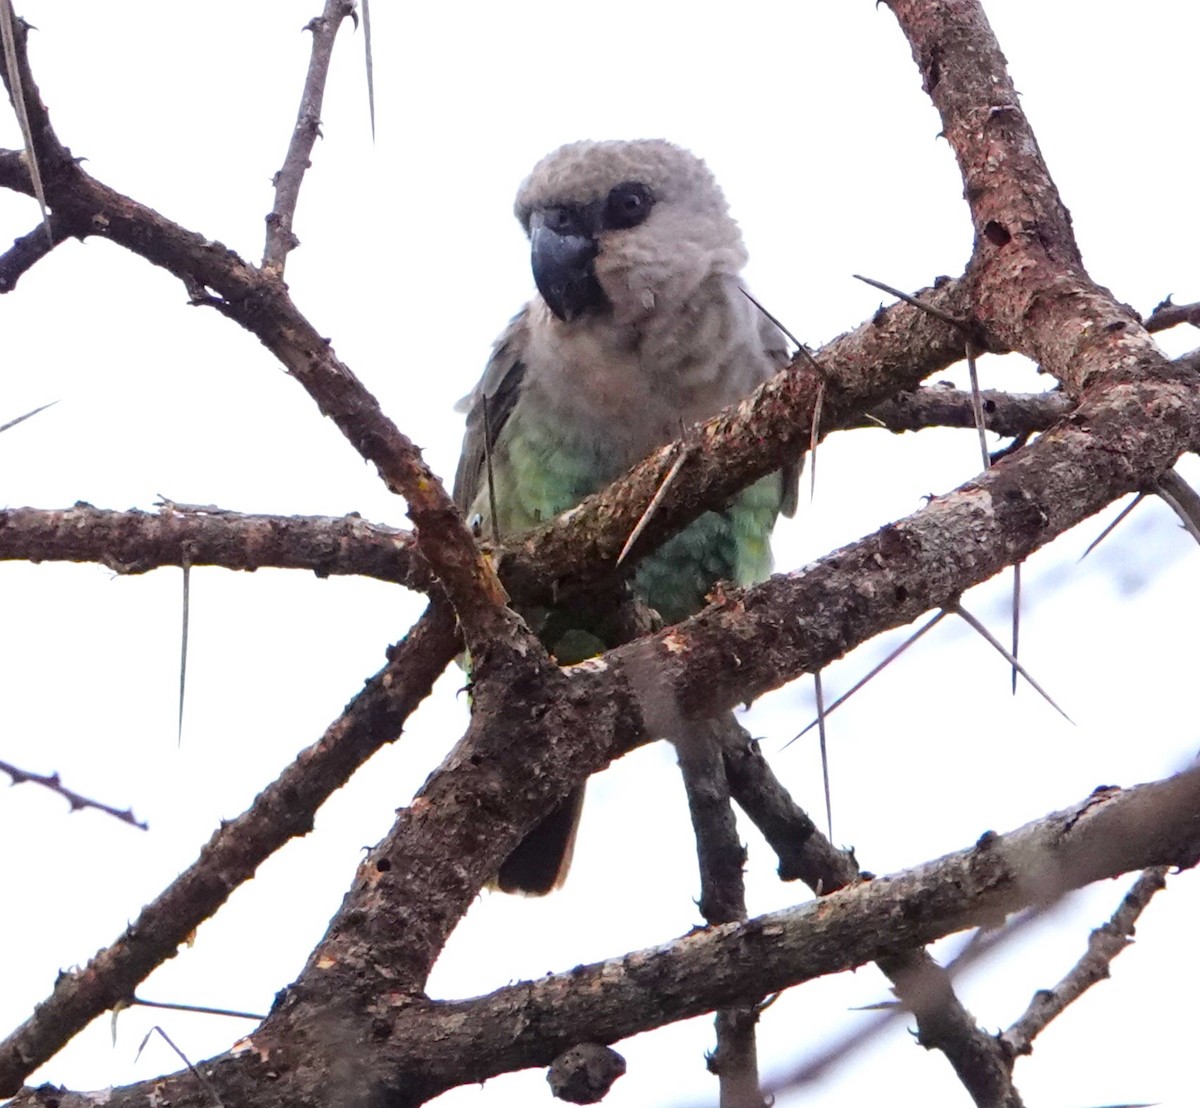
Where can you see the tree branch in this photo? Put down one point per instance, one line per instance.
(1104, 944)
(981, 1062)
(30, 249)
(1008, 414)
(530, 742)
(52, 157)
(1030, 289)
(538, 731)
(259, 301)
(77, 801)
(894, 350)
(1120, 439)
(137, 542)
(414, 1048)
(280, 238)
(1167, 315)
(804, 853)
(282, 811)
(721, 857)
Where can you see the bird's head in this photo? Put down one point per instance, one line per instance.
(625, 228)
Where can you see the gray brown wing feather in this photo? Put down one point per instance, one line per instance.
(775, 344)
(498, 389)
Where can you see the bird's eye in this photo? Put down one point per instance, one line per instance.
(627, 206)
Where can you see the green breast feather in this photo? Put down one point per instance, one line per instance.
(540, 473)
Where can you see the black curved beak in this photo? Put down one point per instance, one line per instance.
(562, 269)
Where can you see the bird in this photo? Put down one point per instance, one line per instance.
(641, 326)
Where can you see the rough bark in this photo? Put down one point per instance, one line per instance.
(356, 1027)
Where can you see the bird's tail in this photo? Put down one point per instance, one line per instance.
(540, 862)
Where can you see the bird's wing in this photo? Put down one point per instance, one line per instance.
(776, 348)
(497, 394)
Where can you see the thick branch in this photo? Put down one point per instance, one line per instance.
(52, 156)
(137, 542)
(1008, 414)
(894, 350)
(414, 1048)
(259, 301)
(530, 742)
(1131, 426)
(1119, 440)
(283, 810)
(982, 1063)
(1030, 289)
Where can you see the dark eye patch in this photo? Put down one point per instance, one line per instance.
(627, 205)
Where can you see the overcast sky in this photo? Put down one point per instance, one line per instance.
(812, 117)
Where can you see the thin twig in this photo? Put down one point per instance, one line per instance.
(981, 428)
(977, 405)
(76, 800)
(814, 436)
(1016, 619)
(815, 431)
(1104, 944)
(800, 347)
(280, 238)
(282, 811)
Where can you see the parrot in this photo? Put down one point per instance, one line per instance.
(640, 327)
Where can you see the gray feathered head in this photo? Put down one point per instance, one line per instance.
(625, 227)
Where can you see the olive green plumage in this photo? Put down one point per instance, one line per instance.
(640, 328)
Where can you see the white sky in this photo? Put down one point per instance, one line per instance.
(812, 117)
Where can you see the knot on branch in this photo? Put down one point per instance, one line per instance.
(585, 1073)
